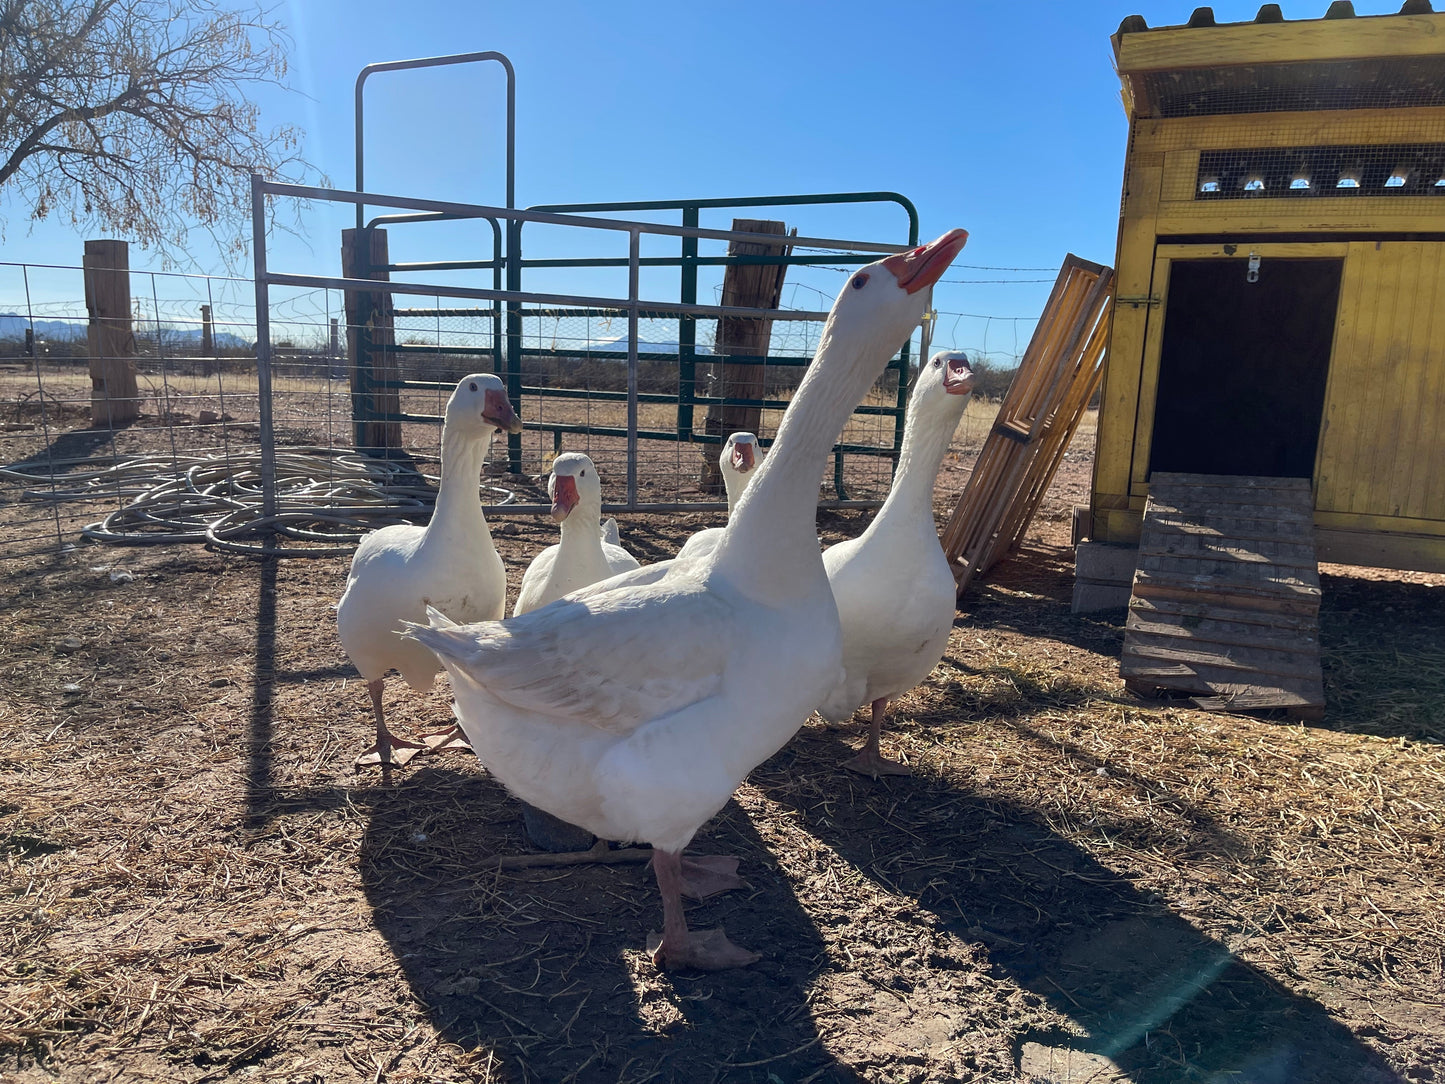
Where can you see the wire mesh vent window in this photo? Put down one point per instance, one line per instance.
(1392, 83)
(1401, 169)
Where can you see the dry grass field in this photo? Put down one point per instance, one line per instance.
(1073, 885)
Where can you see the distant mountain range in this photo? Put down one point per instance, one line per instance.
(643, 347)
(14, 327)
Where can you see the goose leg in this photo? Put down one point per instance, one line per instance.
(870, 759)
(389, 750)
(707, 950)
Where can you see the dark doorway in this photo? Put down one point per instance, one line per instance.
(1242, 367)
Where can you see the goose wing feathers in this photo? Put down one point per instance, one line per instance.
(640, 654)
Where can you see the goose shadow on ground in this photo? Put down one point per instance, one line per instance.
(1144, 988)
(545, 968)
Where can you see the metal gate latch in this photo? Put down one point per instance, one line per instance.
(1252, 275)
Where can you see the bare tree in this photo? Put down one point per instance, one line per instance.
(130, 116)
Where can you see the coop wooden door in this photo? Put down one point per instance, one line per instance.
(1236, 366)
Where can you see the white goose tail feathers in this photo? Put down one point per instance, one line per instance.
(610, 533)
(437, 635)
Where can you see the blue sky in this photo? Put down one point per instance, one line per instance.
(1002, 118)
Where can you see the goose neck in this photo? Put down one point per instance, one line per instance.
(771, 543)
(926, 439)
(582, 534)
(459, 505)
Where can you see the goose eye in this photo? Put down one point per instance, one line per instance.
(473, 385)
(860, 280)
(584, 472)
(938, 363)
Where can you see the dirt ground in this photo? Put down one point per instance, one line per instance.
(1073, 885)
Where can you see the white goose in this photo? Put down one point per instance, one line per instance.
(896, 595)
(451, 563)
(635, 709)
(737, 461)
(582, 556)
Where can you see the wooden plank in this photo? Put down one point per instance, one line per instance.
(1371, 549)
(1200, 679)
(1232, 482)
(1253, 700)
(1204, 541)
(1173, 48)
(1149, 380)
(1201, 501)
(1268, 250)
(1233, 595)
(1365, 214)
(1191, 611)
(1249, 659)
(1207, 523)
(1223, 631)
(1299, 558)
(1236, 574)
(1118, 402)
(1308, 128)
(1243, 529)
(1350, 521)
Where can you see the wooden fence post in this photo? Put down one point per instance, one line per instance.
(208, 343)
(756, 286)
(114, 397)
(369, 339)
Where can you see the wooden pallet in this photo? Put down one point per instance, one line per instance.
(1226, 596)
(1059, 374)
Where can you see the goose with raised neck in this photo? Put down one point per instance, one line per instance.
(400, 569)
(892, 584)
(636, 706)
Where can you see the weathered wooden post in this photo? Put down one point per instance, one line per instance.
(369, 341)
(114, 398)
(757, 286)
(208, 343)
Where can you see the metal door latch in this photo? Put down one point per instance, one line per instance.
(1252, 275)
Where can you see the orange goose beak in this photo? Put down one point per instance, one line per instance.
(498, 410)
(923, 266)
(564, 496)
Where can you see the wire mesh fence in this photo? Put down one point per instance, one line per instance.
(187, 468)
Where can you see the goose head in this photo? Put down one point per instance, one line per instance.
(738, 459)
(882, 302)
(947, 372)
(939, 394)
(574, 482)
(480, 405)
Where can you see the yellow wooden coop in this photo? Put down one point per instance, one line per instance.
(1280, 279)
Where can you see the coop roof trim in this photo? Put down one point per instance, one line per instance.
(1415, 31)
